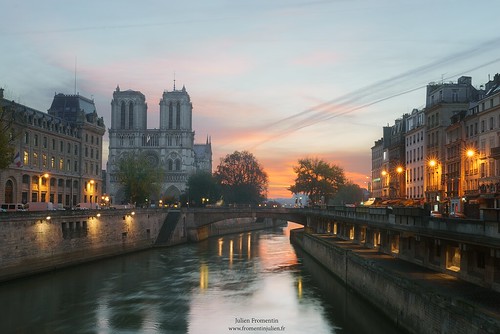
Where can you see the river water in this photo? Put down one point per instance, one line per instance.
(242, 283)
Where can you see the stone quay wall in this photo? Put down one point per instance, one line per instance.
(32, 243)
(410, 307)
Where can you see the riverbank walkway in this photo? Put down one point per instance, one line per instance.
(482, 299)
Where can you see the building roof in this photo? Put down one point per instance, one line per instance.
(68, 107)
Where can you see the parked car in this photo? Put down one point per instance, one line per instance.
(86, 206)
(13, 207)
(436, 214)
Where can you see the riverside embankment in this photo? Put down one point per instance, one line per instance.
(36, 242)
(415, 298)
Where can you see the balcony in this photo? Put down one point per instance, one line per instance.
(495, 153)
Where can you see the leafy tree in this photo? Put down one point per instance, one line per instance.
(318, 179)
(6, 137)
(139, 179)
(349, 193)
(242, 178)
(203, 189)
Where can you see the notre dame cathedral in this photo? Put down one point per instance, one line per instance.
(170, 146)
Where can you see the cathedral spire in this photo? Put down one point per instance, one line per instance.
(174, 81)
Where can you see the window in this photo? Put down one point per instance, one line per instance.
(131, 116)
(170, 115)
(52, 162)
(35, 140)
(26, 158)
(178, 116)
(26, 138)
(122, 115)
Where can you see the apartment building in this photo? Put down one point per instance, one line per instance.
(415, 154)
(443, 101)
(58, 155)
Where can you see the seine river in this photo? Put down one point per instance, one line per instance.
(243, 283)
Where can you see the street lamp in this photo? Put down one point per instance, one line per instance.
(40, 177)
(399, 170)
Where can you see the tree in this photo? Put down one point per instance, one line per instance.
(349, 193)
(6, 137)
(203, 189)
(317, 179)
(139, 179)
(242, 178)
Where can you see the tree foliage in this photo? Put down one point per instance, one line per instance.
(203, 189)
(6, 137)
(349, 193)
(318, 179)
(242, 178)
(140, 181)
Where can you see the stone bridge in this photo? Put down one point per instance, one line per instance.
(465, 248)
(199, 217)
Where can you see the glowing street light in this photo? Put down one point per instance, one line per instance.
(40, 177)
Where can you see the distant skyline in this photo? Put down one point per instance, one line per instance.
(282, 79)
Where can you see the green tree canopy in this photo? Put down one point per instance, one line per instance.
(140, 181)
(349, 193)
(203, 189)
(242, 178)
(318, 179)
(6, 137)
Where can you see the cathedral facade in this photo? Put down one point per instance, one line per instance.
(170, 147)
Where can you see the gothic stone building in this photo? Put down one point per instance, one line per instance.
(170, 147)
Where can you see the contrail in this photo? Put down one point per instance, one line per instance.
(323, 111)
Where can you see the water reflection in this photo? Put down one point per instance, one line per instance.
(196, 288)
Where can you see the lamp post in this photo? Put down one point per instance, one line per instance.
(434, 188)
(40, 178)
(399, 170)
(384, 183)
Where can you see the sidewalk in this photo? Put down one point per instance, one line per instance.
(485, 300)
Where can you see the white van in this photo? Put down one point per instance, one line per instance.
(39, 206)
(86, 206)
(9, 207)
